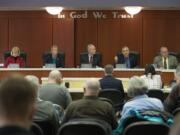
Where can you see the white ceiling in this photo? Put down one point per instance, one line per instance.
(88, 4)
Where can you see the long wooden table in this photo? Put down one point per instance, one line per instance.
(167, 75)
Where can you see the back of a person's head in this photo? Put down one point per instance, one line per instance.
(17, 98)
(92, 86)
(175, 129)
(136, 87)
(34, 80)
(55, 76)
(174, 95)
(149, 69)
(177, 75)
(108, 69)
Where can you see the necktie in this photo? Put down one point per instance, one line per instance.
(165, 63)
(91, 59)
(127, 63)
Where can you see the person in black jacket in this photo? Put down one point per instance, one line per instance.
(17, 105)
(91, 57)
(54, 57)
(126, 58)
(110, 82)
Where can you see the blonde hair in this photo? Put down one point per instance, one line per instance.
(15, 48)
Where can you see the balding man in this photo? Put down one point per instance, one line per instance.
(91, 57)
(164, 60)
(17, 106)
(54, 91)
(91, 106)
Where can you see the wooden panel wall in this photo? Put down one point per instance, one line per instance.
(36, 31)
(160, 28)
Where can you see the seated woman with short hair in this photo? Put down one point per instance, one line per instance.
(15, 58)
(152, 79)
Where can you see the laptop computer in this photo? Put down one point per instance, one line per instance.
(15, 65)
(120, 65)
(86, 66)
(50, 65)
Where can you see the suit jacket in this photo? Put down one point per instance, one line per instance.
(132, 59)
(84, 59)
(11, 60)
(172, 62)
(111, 83)
(47, 58)
(91, 107)
(14, 130)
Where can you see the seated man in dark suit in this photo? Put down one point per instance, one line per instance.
(91, 57)
(54, 57)
(126, 58)
(91, 106)
(110, 82)
(17, 106)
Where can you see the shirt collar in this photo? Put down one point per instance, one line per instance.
(90, 97)
(141, 96)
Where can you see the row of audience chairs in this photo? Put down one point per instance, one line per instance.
(97, 127)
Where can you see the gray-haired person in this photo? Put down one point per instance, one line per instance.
(140, 101)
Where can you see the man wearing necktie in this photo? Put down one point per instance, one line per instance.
(91, 57)
(164, 60)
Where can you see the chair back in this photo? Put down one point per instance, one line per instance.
(84, 126)
(22, 54)
(47, 127)
(176, 111)
(146, 128)
(36, 129)
(116, 96)
(156, 93)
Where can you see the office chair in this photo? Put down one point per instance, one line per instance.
(116, 96)
(146, 128)
(85, 126)
(156, 93)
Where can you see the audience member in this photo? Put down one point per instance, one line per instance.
(152, 79)
(17, 106)
(173, 99)
(45, 109)
(91, 106)
(140, 101)
(109, 81)
(54, 91)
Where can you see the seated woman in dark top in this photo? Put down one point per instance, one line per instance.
(15, 58)
(173, 100)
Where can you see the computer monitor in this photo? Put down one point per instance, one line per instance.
(86, 66)
(13, 65)
(50, 65)
(120, 65)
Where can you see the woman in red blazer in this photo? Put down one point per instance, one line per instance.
(15, 58)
